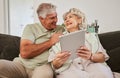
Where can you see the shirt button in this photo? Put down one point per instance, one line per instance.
(79, 63)
(57, 73)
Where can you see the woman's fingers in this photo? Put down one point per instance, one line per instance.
(63, 54)
(61, 57)
(83, 48)
(84, 52)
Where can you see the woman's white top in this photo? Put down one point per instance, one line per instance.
(91, 42)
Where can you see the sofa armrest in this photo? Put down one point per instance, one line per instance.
(111, 42)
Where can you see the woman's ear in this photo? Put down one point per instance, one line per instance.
(79, 20)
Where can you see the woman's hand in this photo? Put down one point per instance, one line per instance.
(84, 52)
(60, 59)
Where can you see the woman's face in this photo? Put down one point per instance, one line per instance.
(72, 22)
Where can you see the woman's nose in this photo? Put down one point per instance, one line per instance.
(67, 21)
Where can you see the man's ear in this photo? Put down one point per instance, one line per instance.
(41, 19)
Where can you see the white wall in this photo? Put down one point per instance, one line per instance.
(20, 14)
(3, 17)
(105, 11)
(4, 23)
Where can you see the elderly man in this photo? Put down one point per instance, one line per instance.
(35, 42)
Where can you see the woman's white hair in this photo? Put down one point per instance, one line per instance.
(45, 8)
(80, 14)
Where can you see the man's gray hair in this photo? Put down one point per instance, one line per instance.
(45, 8)
(80, 14)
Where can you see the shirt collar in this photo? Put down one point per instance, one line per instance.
(43, 28)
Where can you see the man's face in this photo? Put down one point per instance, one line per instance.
(49, 22)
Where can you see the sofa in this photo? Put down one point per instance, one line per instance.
(9, 48)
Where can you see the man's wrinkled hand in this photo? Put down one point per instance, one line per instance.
(55, 38)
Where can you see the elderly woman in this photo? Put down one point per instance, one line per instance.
(91, 57)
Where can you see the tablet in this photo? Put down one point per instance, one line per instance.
(72, 41)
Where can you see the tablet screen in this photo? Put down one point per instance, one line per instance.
(72, 41)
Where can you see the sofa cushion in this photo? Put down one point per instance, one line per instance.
(9, 52)
(9, 46)
(114, 61)
(111, 42)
